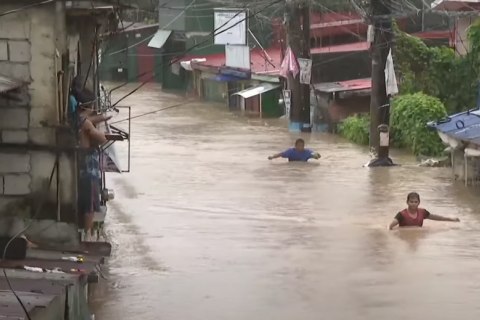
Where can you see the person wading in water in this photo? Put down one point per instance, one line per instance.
(413, 216)
(299, 153)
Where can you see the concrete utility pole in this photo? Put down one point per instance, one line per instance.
(298, 38)
(379, 105)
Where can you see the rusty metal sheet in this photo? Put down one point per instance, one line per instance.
(96, 249)
(65, 266)
(8, 84)
(37, 254)
(66, 278)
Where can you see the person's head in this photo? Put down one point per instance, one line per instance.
(413, 200)
(299, 144)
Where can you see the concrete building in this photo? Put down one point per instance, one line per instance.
(462, 22)
(41, 49)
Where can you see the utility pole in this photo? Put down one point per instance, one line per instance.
(305, 87)
(379, 104)
(298, 38)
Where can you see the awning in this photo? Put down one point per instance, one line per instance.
(261, 88)
(8, 84)
(159, 39)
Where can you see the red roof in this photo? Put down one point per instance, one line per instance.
(341, 86)
(451, 5)
(268, 62)
(358, 84)
(351, 47)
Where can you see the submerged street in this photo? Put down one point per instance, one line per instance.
(205, 227)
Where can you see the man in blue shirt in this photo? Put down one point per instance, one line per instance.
(299, 153)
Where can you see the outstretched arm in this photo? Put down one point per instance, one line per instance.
(275, 156)
(437, 217)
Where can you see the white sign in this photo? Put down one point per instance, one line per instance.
(237, 56)
(232, 27)
(305, 70)
(287, 99)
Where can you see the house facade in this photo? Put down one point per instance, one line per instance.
(461, 23)
(41, 49)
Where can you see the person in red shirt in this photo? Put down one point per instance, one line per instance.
(413, 216)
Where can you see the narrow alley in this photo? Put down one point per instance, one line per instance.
(205, 227)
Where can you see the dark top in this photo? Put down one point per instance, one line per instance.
(401, 221)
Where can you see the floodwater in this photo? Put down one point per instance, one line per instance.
(205, 227)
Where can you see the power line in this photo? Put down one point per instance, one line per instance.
(193, 47)
(26, 7)
(151, 36)
(155, 111)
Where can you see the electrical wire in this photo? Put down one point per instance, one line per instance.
(55, 168)
(151, 36)
(26, 7)
(214, 33)
(155, 111)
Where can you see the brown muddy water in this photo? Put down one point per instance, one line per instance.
(205, 227)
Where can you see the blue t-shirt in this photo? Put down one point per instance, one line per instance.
(73, 104)
(293, 155)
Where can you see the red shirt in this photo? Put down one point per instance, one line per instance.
(405, 220)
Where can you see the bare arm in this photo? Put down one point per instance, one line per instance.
(275, 156)
(95, 134)
(393, 224)
(98, 118)
(437, 217)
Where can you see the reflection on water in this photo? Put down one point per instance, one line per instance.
(205, 227)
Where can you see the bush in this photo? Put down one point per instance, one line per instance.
(409, 115)
(356, 129)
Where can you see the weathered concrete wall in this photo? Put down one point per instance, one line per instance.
(31, 42)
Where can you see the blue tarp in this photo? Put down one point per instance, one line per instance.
(462, 126)
(225, 78)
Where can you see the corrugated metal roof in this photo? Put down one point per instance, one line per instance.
(8, 84)
(10, 307)
(350, 85)
(463, 126)
(44, 293)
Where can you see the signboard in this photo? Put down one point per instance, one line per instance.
(236, 73)
(305, 70)
(237, 56)
(230, 26)
(287, 99)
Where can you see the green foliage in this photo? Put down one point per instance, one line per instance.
(409, 115)
(437, 71)
(355, 129)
